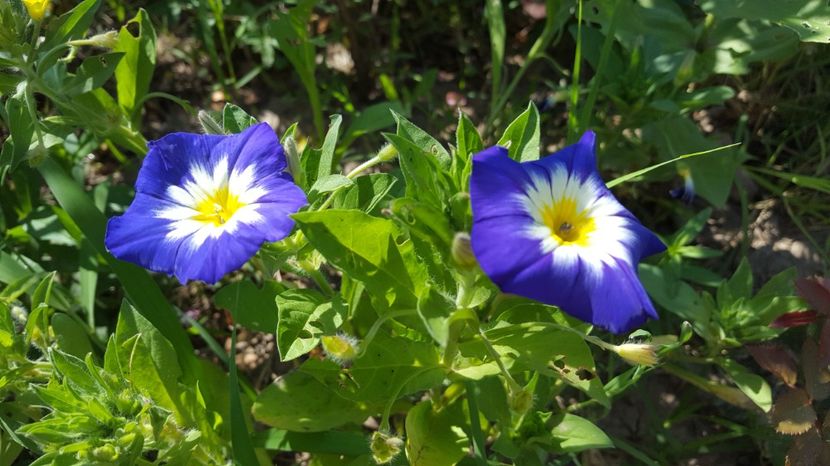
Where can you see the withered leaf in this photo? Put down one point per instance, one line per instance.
(824, 345)
(816, 377)
(816, 291)
(808, 449)
(793, 412)
(776, 359)
(794, 319)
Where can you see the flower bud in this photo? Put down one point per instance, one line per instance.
(520, 401)
(462, 251)
(637, 353)
(105, 40)
(340, 348)
(36, 8)
(126, 404)
(106, 453)
(292, 155)
(385, 447)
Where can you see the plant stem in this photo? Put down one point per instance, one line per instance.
(511, 382)
(321, 281)
(370, 335)
(376, 160)
(573, 119)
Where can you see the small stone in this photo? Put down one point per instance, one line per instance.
(250, 360)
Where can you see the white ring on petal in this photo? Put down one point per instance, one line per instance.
(204, 184)
(609, 239)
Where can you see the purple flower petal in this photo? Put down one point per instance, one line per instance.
(205, 204)
(550, 230)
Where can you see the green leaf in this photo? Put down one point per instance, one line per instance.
(430, 436)
(70, 25)
(93, 73)
(493, 400)
(753, 385)
(389, 368)
(328, 184)
(319, 163)
(366, 193)
(467, 140)
(572, 433)
(424, 220)
(522, 136)
(98, 112)
(149, 360)
(137, 284)
(135, 71)
(691, 228)
(299, 402)
(235, 120)
(74, 372)
(7, 330)
(371, 119)
(434, 309)
(707, 96)
(243, 448)
(9, 82)
(21, 128)
(672, 294)
(71, 335)
(712, 175)
(737, 287)
(334, 442)
(364, 247)
(571, 357)
(810, 19)
(420, 171)
(418, 137)
(250, 306)
(305, 316)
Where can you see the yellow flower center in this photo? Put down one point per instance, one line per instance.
(567, 225)
(219, 207)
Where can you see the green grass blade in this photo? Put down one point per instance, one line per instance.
(573, 118)
(494, 12)
(635, 174)
(588, 109)
(243, 448)
(809, 182)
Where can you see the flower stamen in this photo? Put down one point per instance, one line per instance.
(567, 224)
(218, 209)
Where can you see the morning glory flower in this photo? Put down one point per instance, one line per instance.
(550, 230)
(204, 204)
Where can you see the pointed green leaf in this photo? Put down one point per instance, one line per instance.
(522, 136)
(305, 316)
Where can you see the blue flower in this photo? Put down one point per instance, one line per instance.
(204, 204)
(550, 230)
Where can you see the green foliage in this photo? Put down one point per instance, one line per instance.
(372, 306)
(135, 70)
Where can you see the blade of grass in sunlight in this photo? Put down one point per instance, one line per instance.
(641, 172)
